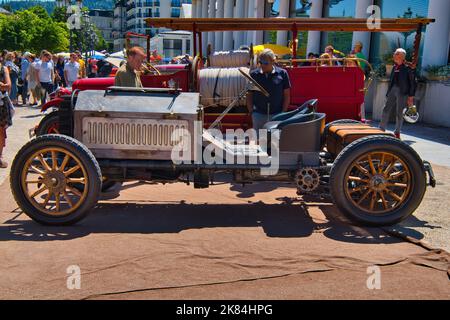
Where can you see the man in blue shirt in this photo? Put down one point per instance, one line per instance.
(276, 81)
(24, 68)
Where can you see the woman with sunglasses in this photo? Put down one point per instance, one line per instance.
(276, 81)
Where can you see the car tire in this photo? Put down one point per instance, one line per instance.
(393, 197)
(88, 174)
(48, 125)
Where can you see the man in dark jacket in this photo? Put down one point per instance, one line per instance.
(402, 89)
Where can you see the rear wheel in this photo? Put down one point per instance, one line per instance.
(55, 180)
(49, 124)
(378, 181)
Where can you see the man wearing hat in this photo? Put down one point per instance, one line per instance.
(24, 68)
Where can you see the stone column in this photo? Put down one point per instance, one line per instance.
(204, 34)
(259, 13)
(194, 8)
(218, 42)
(228, 35)
(284, 13)
(437, 37)
(251, 13)
(363, 37)
(212, 14)
(314, 36)
(239, 35)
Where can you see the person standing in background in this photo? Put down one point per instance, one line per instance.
(401, 91)
(24, 71)
(82, 64)
(59, 72)
(5, 86)
(72, 70)
(33, 79)
(46, 74)
(357, 51)
(14, 74)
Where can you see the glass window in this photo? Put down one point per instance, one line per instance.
(172, 47)
(341, 41)
(384, 43)
(301, 10)
(188, 46)
(175, 12)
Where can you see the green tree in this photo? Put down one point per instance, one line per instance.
(32, 30)
(40, 12)
(60, 14)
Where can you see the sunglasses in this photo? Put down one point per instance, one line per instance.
(265, 63)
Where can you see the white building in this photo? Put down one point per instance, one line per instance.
(172, 43)
(119, 24)
(62, 3)
(139, 10)
(103, 20)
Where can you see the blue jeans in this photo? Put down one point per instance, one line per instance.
(13, 94)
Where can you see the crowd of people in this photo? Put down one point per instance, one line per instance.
(34, 76)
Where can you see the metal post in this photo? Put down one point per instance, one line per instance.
(195, 42)
(200, 45)
(415, 58)
(294, 43)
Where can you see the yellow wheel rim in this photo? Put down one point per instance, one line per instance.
(55, 181)
(378, 182)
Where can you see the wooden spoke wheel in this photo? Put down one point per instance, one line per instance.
(49, 180)
(55, 180)
(378, 180)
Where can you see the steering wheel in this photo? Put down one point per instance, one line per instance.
(245, 73)
(148, 64)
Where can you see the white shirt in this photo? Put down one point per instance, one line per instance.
(45, 70)
(71, 69)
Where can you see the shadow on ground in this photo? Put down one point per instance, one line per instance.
(289, 219)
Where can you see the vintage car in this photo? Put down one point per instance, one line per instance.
(154, 134)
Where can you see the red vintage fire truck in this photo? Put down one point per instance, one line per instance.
(340, 90)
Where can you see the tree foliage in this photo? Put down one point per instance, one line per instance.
(32, 30)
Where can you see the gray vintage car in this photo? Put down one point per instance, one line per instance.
(125, 134)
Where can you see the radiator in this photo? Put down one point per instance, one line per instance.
(131, 134)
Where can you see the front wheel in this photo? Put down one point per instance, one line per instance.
(55, 180)
(48, 125)
(378, 181)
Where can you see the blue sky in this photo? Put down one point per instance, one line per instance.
(391, 9)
